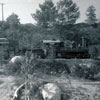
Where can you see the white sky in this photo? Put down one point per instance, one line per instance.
(24, 8)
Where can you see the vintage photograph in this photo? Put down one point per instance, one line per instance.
(49, 49)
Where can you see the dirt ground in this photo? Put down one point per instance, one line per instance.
(7, 86)
(75, 88)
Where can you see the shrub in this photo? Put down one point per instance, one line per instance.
(97, 76)
(93, 52)
(85, 70)
(13, 68)
(52, 67)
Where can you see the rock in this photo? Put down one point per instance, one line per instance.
(51, 91)
(14, 88)
(16, 59)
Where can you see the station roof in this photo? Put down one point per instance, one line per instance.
(51, 41)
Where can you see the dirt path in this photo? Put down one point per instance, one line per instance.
(81, 88)
(78, 89)
(7, 86)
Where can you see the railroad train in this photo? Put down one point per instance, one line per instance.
(50, 48)
(59, 51)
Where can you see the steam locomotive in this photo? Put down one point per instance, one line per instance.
(57, 49)
(50, 48)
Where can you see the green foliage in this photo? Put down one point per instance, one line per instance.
(22, 66)
(13, 20)
(32, 65)
(46, 16)
(89, 32)
(3, 26)
(97, 76)
(12, 35)
(93, 52)
(68, 44)
(88, 71)
(11, 29)
(31, 36)
(51, 67)
(35, 92)
(13, 68)
(28, 64)
(68, 12)
(2, 53)
(26, 36)
(91, 16)
(99, 27)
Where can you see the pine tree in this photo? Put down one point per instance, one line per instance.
(91, 16)
(68, 12)
(13, 20)
(12, 33)
(46, 15)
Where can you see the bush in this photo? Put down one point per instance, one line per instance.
(52, 67)
(21, 65)
(87, 71)
(13, 68)
(80, 68)
(97, 76)
(93, 52)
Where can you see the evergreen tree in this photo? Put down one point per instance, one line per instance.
(91, 16)
(12, 33)
(46, 15)
(99, 27)
(68, 12)
(13, 20)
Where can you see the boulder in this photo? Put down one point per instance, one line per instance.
(51, 91)
(16, 59)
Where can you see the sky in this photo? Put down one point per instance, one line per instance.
(24, 8)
